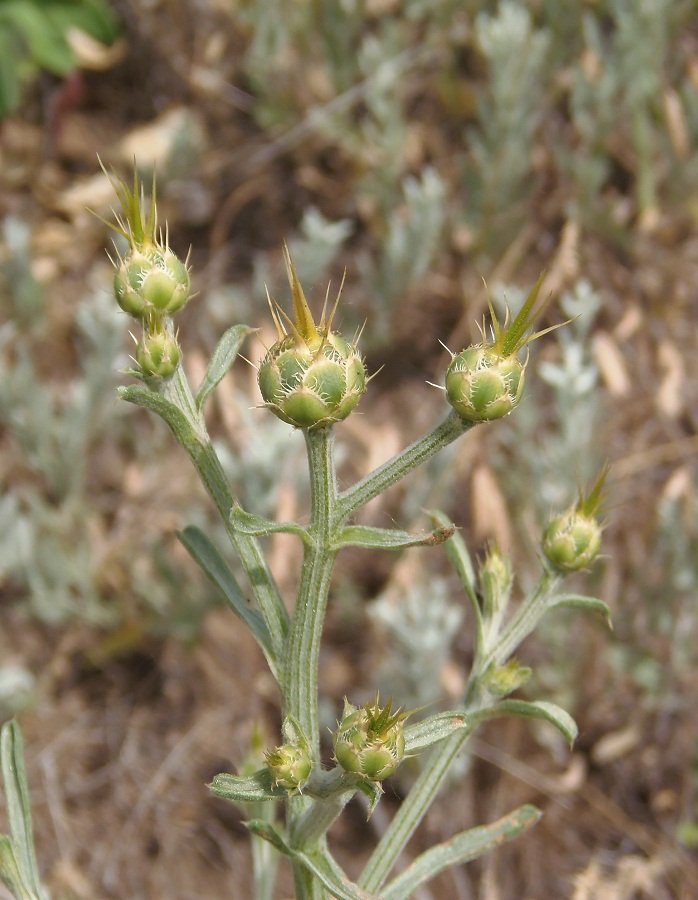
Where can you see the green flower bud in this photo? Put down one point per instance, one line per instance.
(369, 741)
(158, 354)
(290, 764)
(311, 376)
(572, 541)
(151, 282)
(485, 381)
(481, 386)
(508, 678)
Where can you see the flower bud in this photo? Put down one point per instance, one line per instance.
(571, 541)
(369, 741)
(158, 354)
(481, 386)
(508, 678)
(290, 765)
(485, 381)
(311, 376)
(152, 281)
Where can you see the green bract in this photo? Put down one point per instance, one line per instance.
(311, 376)
(289, 765)
(369, 741)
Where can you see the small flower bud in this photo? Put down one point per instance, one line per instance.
(369, 741)
(496, 581)
(571, 541)
(290, 764)
(485, 381)
(158, 354)
(508, 678)
(311, 376)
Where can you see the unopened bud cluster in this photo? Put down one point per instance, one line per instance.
(369, 740)
(151, 283)
(572, 540)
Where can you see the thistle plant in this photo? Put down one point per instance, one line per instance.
(312, 378)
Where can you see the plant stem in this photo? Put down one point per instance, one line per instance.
(205, 459)
(300, 681)
(400, 465)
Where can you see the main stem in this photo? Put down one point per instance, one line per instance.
(300, 681)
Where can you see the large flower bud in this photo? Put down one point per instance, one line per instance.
(151, 281)
(485, 381)
(481, 386)
(311, 376)
(369, 741)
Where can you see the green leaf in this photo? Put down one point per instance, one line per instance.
(223, 357)
(46, 44)
(540, 709)
(462, 848)
(177, 422)
(247, 789)
(580, 601)
(257, 526)
(331, 876)
(434, 729)
(215, 567)
(11, 874)
(267, 832)
(389, 538)
(18, 806)
(372, 790)
(459, 557)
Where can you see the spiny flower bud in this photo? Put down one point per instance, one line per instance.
(369, 741)
(150, 280)
(158, 354)
(311, 376)
(486, 381)
(290, 764)
(571, 541)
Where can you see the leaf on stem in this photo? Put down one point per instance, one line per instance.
(11, 874)
(267, 832)
(257, 526)
(175, 419)
(247, 789)
(223, 358)
(462, 848)
(389, 538)
(539, 709)
(331, 876)
(580, 601)
(433, 730)
(18, 852)
(215, 567)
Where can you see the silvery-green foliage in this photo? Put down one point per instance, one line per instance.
(421, 623)
(508, 116)
(16, 689)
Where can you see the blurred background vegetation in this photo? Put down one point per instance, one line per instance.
(423, 146)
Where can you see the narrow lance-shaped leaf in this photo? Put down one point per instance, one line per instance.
(246, 789)
(223, 358)
(433, 730)
(267, 832)
(11, 874)
(18, 806)
(462, 848)
(540, 709)
(258, 526)
(580, 601)
(216, 568)
(177, 422)
(331, 876)
(389, 538)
